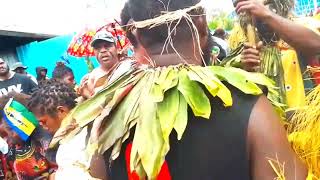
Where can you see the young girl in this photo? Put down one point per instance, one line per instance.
(51, 103)
(64, 74)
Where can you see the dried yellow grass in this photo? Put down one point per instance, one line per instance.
(304, 132)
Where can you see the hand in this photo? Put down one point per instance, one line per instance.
(255, 7)
(52, 176)
(83, 88)
(250, 57)
(214, 60)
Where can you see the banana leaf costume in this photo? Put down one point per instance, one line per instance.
(148, 104)
(154, 102)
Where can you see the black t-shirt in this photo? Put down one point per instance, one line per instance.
(18, 83)
(211, 149)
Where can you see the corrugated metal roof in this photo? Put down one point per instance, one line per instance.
(11, 40)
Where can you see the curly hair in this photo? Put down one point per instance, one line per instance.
(60, 71)
(51, 95)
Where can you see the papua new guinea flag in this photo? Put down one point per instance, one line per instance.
(20, 119)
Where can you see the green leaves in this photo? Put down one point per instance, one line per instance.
(149, 140)
(194, 95)
(154, 101)
(213, 84)
(118, 123)
(89, 110)
(165, 79)
(237, 79)
(181, 121)
(167, 112)
(257, 78)
(221, 21)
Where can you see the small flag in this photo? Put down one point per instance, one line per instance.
(20, 119)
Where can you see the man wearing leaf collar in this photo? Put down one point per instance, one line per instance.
(178, 119)
(106, 52)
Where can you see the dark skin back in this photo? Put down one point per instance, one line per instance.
(266, 138)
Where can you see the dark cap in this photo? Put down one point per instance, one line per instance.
(102, 36)
(18, 65)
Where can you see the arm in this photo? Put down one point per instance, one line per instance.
(83, 89)
(98, 167)
(267, 139)
(302, 39)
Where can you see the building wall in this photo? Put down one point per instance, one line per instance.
(9, 55)
(47, 53)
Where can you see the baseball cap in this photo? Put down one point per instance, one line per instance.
(102, 36)
(18, 65)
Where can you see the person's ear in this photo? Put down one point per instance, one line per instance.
(201, 24)
(62, 111)
(138, 36)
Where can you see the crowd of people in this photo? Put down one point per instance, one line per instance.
(118, 123)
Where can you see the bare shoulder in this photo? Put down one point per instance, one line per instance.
(267, 140)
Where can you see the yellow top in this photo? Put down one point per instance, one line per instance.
(293, 79)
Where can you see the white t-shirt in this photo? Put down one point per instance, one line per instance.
(72, 160)
(223, 44)
(4, 148)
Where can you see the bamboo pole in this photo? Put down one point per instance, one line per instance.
(251, 34)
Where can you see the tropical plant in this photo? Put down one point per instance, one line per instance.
(222, 21)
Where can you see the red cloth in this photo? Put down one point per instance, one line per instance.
(80, 45)
(315, 63)
(163, 175)
(4, 163)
